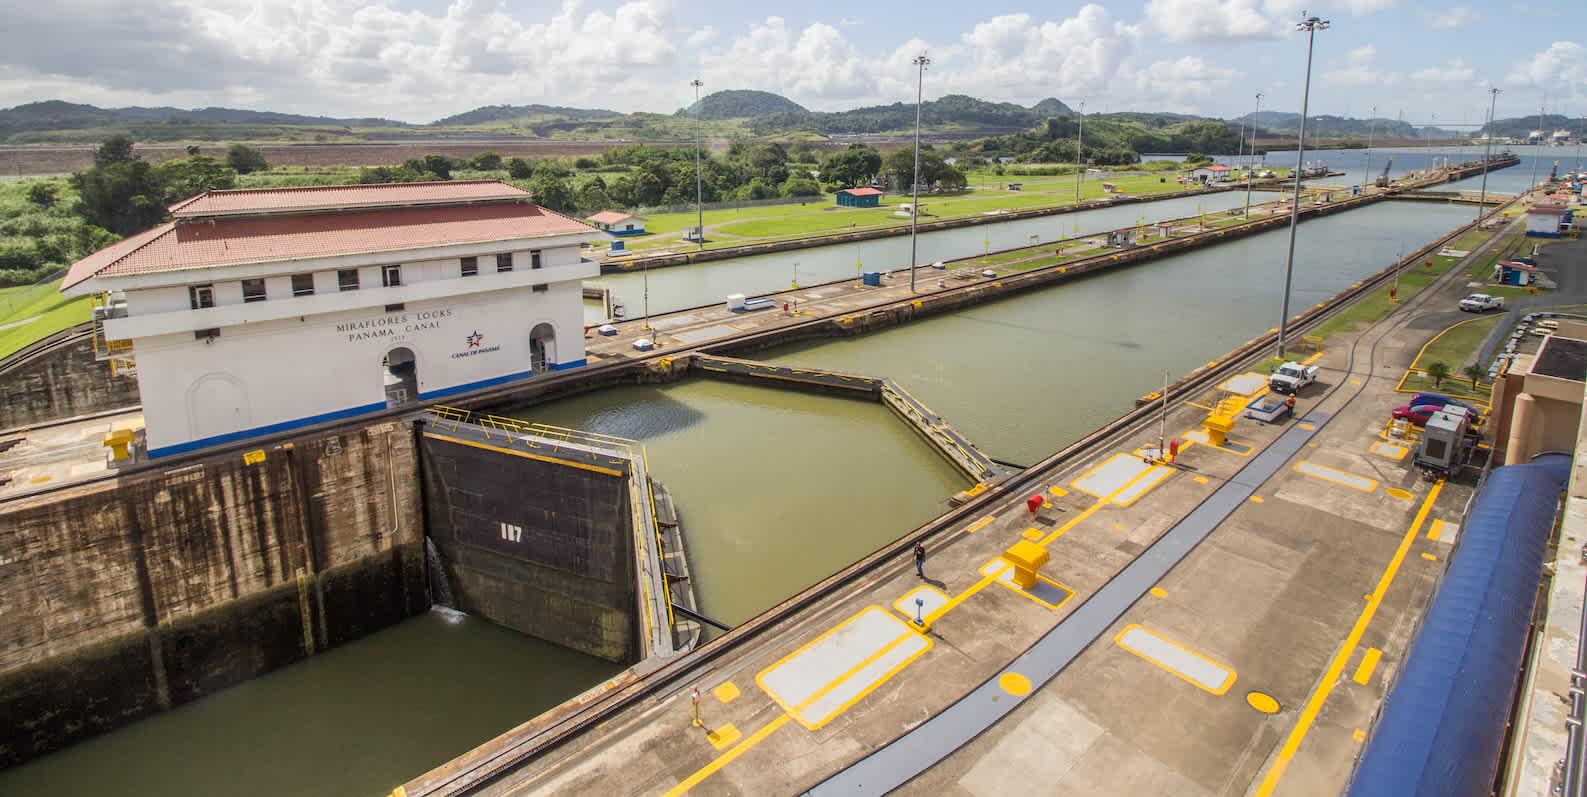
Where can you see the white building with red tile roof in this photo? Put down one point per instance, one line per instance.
(257, 311)
(617, 222)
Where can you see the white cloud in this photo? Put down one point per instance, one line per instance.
(1561, 62)
(1361, 7)
(1456, 71)
(1452, 18)
(848, 22)
(701, 36)
(816, 64)
(1359, 69)
(1210, 21)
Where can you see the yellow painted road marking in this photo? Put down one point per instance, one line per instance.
(1325, 686)
(1262, 702)
(1178, 660)
(1256, 499)
(1014, 684)
(1202, 480)
(1308, 426)
(1158, 592)
(857, 678)
(723, 736)
(1395, 492)
(1358, 734)
(980, 524)
(1389, 450)
(727, 692)
(726, 758)
(1058, 491)
(1429, 557)
(1031, 534)
(1336, 476)
(1443, 531)
(1369, 663)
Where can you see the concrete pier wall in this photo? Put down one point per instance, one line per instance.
(540, 544)
(123, 598)
(59, 378)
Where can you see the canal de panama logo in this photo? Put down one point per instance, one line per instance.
(476, 345)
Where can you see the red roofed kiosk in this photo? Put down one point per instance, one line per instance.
(859, 197)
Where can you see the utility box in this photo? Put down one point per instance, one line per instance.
(872, 278)
(735, 302)
(1443, 445)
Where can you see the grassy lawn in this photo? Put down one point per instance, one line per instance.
(989, 192)
(49, 310)
(1454, 347)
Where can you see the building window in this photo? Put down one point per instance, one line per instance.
(391, 276)
(253, 290)
(302, 284)
(470, 266)
(534, 258)
(504, 262)
(541, 288)
(347, 279)
(201, 296)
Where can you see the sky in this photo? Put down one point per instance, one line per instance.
(419, 60)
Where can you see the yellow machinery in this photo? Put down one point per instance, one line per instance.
(1027, 557)
(1221, 420)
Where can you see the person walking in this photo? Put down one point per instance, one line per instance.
(920, 560)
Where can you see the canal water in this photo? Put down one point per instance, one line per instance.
(357, 720)
(776, 488)
(1026, 376)
(681, 287)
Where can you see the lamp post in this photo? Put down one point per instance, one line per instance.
(1366, 170)
(920, 62)
(1487, 152)
(699, 209)
(1533, 185)
(1250, 166)
(1239, 150)
(1311, 25)
(1080, 164)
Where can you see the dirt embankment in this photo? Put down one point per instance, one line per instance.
(21, 160)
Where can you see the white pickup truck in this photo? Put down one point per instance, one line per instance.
(1292, 376)
(1481, 303)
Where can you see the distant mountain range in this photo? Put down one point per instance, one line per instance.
(60, 115)
(737, 111)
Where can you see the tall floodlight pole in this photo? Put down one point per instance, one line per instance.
(920, 63)
(1239, 150)
(1534, 152)
(699, 209)
(1366, 171)
(1080, 163)
(1250, 165)
(1311, 25)
(1487, 152)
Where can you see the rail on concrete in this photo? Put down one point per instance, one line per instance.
(489, 762)
(941, 435)
(557, 444)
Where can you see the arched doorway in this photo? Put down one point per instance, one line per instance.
(542, 347)
(217, 404)
(401, 372)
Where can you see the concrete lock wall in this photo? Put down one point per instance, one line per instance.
(123, 598)
(60, 382)
(541, 547)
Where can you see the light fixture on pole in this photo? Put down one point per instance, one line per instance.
(699, 209)
(1311, 25)
(920, 63)
(1080, 163)
(1366, 170)
(1250, 166)
(1487, 153)
(1239, 149)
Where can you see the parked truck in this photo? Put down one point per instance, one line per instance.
(1481, 303)
(1291, 377)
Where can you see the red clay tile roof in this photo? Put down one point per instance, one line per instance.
(861, 192)
(610, 217)
(288, 200)
(181, 245)
(1217, 167)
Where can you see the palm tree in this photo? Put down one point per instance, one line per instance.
(1474, 373)
(1439, 371)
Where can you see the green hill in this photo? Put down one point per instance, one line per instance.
(741, 103)
(488, 114)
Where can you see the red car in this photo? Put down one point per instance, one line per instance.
(1417, 415)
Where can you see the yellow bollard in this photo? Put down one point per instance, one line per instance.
(1027, 557)
(119, 442)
